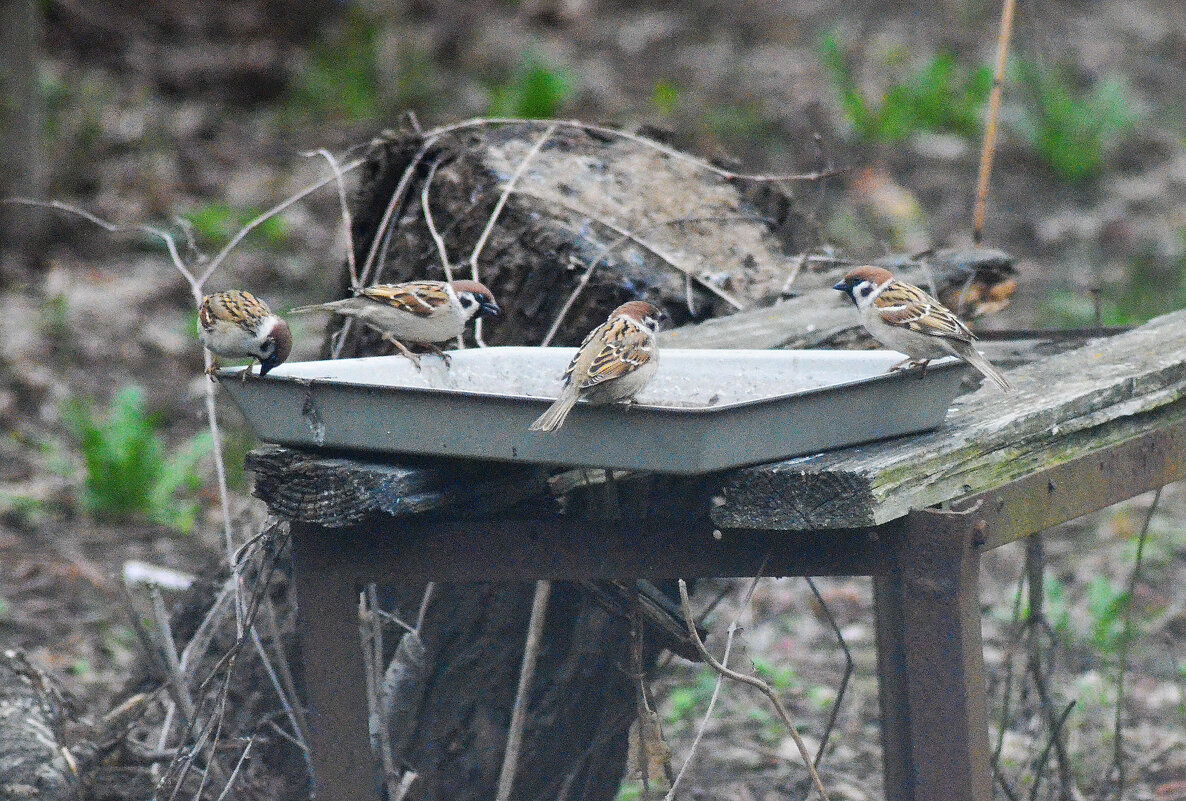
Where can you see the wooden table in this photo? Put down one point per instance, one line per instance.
(1085, 429)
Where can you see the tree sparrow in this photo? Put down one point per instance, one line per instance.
(420, 312)
(906, 319)
(237, 325)
(615, 361)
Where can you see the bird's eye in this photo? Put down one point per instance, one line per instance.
(267, 348)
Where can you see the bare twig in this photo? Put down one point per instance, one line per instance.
(371, 633)
(606, 250)
(234, 773)
(168, 648)
(687, 158)
(502, 200)
(425, 600)
(432, 228)
(849, 666)
(535, 630)
(752, 681)
(1052, 742)
(216, 262)
(638, 240)
(716, 689)
(1035, 578)
(347, 223)
(990, 128)
(1126, 637)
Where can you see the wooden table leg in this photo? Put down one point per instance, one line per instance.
(335, 682)
(930, 662)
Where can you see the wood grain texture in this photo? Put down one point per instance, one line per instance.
(336, 491)
(1065, 406)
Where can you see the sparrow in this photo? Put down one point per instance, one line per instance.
(907, 319)
(420, 312)
(615, 361)
(238, 325)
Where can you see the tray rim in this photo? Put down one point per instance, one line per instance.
(940, 365)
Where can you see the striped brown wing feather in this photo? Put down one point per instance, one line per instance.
(625, 348)
(911, 308)
(240, 308)
(421, 298)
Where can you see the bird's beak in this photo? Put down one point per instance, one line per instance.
(488, 308)
(840, 287)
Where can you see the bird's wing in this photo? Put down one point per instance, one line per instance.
(909, 307)
(238, 308)
(621, 347)
(421, 298)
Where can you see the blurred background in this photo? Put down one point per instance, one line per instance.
(195, 117)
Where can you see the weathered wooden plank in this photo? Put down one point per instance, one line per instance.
(823, 317)
(336, 492)
(1068, 405)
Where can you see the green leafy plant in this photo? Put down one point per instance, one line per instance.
(129, 473)
(1070, 130)
(1151, 286)
(665, 97)
(684, 702)
(215, 223)
(940, 96)
(341, 78)
(1106, 605)
(536, 90)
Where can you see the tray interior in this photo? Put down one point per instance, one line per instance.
(686, 378)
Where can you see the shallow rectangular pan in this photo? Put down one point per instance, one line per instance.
(705, 410)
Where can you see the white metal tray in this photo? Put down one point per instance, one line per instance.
(705, 410)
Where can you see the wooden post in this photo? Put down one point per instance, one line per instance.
(930, 662)
(335, 684)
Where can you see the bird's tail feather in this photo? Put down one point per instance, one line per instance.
(331, 306)
(977, 360)
(554, 417)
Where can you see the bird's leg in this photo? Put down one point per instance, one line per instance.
(922, 364)
(212, 369)
(905, 364)
(437, 350)
(243, 376)
(403, 349)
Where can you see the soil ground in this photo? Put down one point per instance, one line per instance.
(207, 110)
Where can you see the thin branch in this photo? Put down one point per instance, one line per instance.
(849, 666)
(432, 228)
(605, 251)
(535, 630)
(638, 240)
(716, 689)
(168, 648)
(502, 200)
(425, 600)
(687, 158)
(234, 773)
(1126, 638)
(267, 215)
(990, 128)
(752, 681)
(347, 222)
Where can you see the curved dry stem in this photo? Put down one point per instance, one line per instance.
(752, 681)
(695, 161)
(716, 691)
(502, 201)
(347, 223)
(216, 262)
